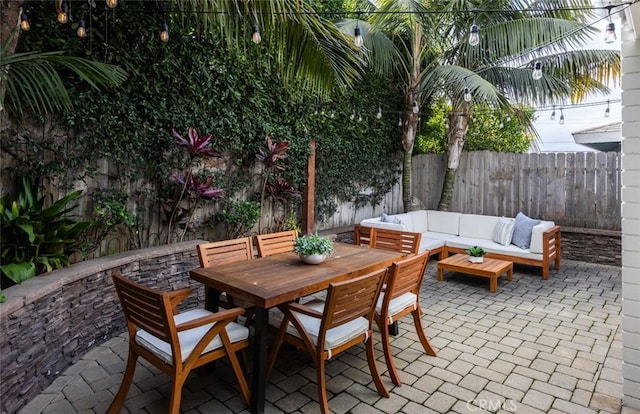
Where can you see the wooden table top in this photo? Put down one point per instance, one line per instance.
(273, 280)
(460, 263)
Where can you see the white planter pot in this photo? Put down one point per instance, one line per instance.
(474, 259)
(313, 258)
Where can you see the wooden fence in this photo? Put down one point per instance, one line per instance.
(572, 189)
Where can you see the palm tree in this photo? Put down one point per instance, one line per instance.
(434, 59)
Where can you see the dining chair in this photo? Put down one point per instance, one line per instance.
(175, 342)
(274, 243)
(398, 240)
(327, 328)
(401, 296)
(362, 235)
(223, 252)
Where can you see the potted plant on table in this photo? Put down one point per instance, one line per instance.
(476, 254)
(312, 248)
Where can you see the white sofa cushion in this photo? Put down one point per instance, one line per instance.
(375, 222)
(189, 338)
(397, 304)
(419, 221)
(478, 226)
(536, 236)
(493, 247)
(427, 243)
(443, 222)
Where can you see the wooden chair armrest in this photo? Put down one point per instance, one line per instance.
(551, 230)
(177, 296)
(305, 310)
(226, 316)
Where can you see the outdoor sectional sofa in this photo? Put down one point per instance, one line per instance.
(444, 233)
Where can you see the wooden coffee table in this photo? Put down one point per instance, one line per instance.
(489, 268)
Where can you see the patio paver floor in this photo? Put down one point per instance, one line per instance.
(533, 347)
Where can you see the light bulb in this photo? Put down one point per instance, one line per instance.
(332, 115)
(501, 125)
(607, 111)
(399, 120)
(62, 14)
(553, 115)
(379, 114)
(467, 95)
(82, 29)
(561, 117)
(24, 23)
(353, 115)
(474, 35)
(610, 33)
(255, 36)
(537, 71)
(357, 40)
(164, 32)
(112, 4)
(359, 118)
(415, 107)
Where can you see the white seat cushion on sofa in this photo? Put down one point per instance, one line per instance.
(493, 247)
(429, 244)
(189, 339)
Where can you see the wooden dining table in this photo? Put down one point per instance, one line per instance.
(270, 281)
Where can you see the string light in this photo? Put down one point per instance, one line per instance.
(553, 114)
(353, 115)
(82, 29)
(415, 108)
(607, 111)
(358, 41)
(379, 114)
(112, 4)
(164, 32)
(561, 117)
(24, 23)
(474, 35)
(537, 71)
(467, 95)
(63, 17)
(610, 32)
(400, 120)
(255, 36)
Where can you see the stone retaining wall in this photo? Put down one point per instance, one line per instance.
(50, 321)
(592, 245)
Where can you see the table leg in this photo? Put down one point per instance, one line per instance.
(510, 273)
(493, 284)
(259, 371)
(440, 274)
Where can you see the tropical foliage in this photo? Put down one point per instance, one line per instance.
(36, 238)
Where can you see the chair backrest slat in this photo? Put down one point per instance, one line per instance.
(226, 251)
(397, 240)
(361, 235)
(406, 276)
(275, 243)
(352, 299)
(144, 307)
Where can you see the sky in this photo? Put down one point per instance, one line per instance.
(557, 138)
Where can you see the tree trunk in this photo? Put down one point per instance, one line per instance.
(9, 20)
(458, 125)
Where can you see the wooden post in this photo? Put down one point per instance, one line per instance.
(308, 202)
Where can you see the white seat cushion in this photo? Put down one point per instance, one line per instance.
(397, 304)
(335, 336)
(189, 339)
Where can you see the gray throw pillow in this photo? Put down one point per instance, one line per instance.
(522, 230)
(503, 231)
(390, 219)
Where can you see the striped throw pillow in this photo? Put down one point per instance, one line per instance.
(503, 231)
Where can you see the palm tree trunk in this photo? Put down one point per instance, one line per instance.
(447, 189)
(9, 18)
(458, 125)
(406, 179)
